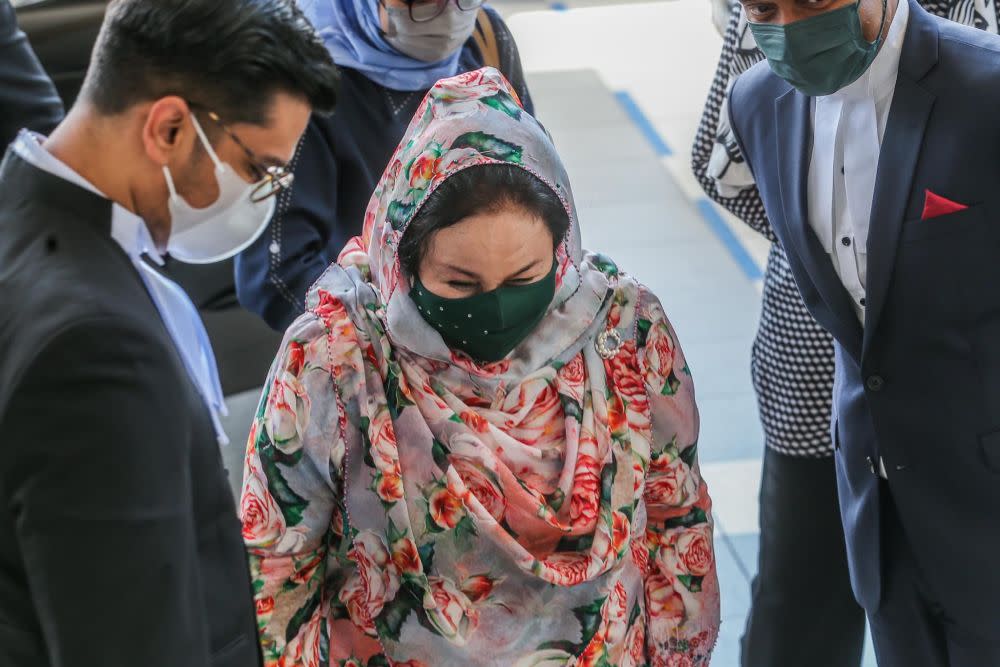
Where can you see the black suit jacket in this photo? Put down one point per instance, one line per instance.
(27, 96)
(919, 384)
(119, 541)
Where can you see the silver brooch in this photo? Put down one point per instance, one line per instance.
(609, 342)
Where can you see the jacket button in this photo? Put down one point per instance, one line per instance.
(875, 383)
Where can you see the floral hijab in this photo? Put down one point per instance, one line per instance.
(470, 120)
(543, 510)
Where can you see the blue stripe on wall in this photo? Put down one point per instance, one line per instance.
(722, 232)
(643, 123)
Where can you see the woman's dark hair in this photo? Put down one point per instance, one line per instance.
(480, 189)
(231, 56)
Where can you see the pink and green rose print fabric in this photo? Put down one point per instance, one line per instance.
(403, 505)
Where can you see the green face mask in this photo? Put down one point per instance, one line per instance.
(487, 326)
(822, 54)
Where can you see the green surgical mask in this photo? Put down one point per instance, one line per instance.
(487, 326)
(822, 54)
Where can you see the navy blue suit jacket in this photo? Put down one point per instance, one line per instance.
(919, 384)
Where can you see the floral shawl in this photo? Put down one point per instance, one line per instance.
(403, 506)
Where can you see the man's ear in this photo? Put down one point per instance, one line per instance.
(167, 134)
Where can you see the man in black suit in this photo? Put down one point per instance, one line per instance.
(119, 541)
(27, 96)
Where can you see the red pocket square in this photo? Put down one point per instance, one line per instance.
(936, 205)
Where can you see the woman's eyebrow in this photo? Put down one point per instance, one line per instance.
(526, 268)
(464, 272)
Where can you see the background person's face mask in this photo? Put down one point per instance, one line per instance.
(821, 54)
(222, 229)
(487, 326)
(430, 41)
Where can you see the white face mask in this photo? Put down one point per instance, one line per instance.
(431, 41)
(222, 229)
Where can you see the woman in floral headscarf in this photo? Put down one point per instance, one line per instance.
(478, 446)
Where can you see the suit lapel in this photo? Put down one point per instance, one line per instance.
(900, 152)
(793, 114)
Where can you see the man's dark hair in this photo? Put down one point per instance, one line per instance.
(231, 56)
(480, 189)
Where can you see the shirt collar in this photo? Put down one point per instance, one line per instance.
(879, 79)
(127, 229)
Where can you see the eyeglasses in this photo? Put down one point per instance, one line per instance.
(272, 179)
(422, 11)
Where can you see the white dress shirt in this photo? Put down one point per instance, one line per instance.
(848, 127)
(178, 313)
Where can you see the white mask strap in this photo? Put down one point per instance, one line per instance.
(170, 181)
(205, 142)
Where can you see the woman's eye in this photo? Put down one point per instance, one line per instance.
(517, 282)
(457, 284)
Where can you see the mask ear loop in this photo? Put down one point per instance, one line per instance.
(206, 143)
(170, 182)
(881, 25)
(208, 147)
(390, 30)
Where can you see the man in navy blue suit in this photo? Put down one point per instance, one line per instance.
(873, 135)
(27, 96)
